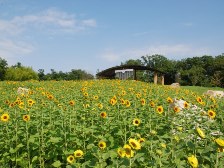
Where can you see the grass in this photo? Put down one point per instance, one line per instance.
(200, 89)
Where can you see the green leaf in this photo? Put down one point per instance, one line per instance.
(56, 163)
(31, 139)
(90, 146)
(119, 132)
(19, 146)
(34, 158)
(55, 139)
(11, 150)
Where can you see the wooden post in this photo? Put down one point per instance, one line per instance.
(155, 77)
(162, 79)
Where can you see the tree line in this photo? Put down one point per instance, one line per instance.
(19, 72)
(197, 71)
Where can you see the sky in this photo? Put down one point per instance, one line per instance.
(94, 35)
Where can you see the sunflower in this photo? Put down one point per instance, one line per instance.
(220, 142)
(152, 104)
(176, 109)
(103, 114)
(121, 152)
(211, 114)
(11, 105)
(128, 152)
(70, 159)
(122, 101)
(169, 100)
(86, 105)
(7, 102)
(78, 153)
(72, 103)
(159, 109)
(136, 122)
(30, 102)
(26, 117)
(143, 102)
(113, 101)
(138, 95)
(85, 94)
(50, 97)
(200, 132)
(95, 97)
(199, 100)
(100, 105)
(60, 105)
(127, 103)
(134, 144)
(220, 149)
(141, 140)
(186, 105)
(193, 161)
(102, 145)
(123, 92)
(5, 117)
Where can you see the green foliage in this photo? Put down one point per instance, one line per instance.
(75, 74)
(201, 71)
(20, 73)
(3, 67)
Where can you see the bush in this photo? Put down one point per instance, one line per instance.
(20, 74)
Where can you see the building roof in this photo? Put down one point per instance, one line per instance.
(110, 72)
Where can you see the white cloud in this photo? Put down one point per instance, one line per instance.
(47, 20)
(177, 52)
(10, 49)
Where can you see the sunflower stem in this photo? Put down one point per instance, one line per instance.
(27, 143)
(130, 163)
(16, 130)
(217, 160)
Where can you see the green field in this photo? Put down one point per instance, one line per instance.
(200, 89)
(108, 123)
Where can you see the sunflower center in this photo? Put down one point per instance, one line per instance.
(133, 144)
(211, 114)
(128, 151)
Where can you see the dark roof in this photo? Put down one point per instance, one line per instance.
(110, 72)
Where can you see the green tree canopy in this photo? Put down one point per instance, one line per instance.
(20, 73)
(3, 67)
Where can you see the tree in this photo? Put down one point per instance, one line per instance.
(161, 63)
(195, 75)
(41, 74)
(217, 79)
(132, 62)
(21, 73)
(3, 68)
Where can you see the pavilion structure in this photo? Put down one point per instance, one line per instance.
(129, 72)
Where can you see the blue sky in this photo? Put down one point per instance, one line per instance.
(98, 34)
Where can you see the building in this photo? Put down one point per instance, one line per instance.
(124, 72)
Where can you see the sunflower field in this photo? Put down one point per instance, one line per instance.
(108, 123)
